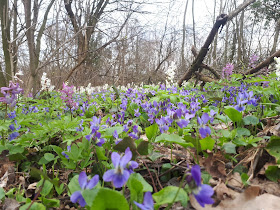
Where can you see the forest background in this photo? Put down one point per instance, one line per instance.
(120, 42)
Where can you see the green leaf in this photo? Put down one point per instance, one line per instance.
(173, 138)
(207, 143)
(243, 132)
(155, 155)
(43, 161)
(273, 147)
(273, 173)
(127, 142)
(251, 120)
(35, 206)
(51, 202)
(104, 198)
(138, 183)
(58, 150)
(59, 189)
(109, 131)
(244, 178)
(46, 188)
(75, 152)
(2, 148)
(151, 131)
(2, 193)
(143, 148)
(49, 156)
(233, 114)
(15, 149)
(74, 184)
(167, 195)
(100, 151)
(229, 148)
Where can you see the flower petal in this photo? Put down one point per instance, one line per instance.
(126, 158)
(205, 118)
(109, 175)
(196, 174)
(115, 159)
(141, 206)
(91, 184)
(148, 200)
(76, 196)
(204, 195)
(120, 179)
(82, 202)
(83, 179)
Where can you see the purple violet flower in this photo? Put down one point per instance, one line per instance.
(80, 126)
(68, 150)
(148, 203)
(116, 136)
(204, 130)
(136, 114)
(201, 192)
(121, 173)
(84, 184)
(10, 94)
(135, 133)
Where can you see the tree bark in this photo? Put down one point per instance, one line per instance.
(34, 50)
(276, 37)
(183, 62)
(5, 29)
(221, 20)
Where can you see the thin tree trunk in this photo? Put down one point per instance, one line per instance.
(14, 44)
(5, 29)
(194, 36)
(276, 37)
(183, 62)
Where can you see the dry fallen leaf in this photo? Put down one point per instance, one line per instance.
(10, 204)
(215, 165)
(248, 200)
(223, 192)
(235, 180)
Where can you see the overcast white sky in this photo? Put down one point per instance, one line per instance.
(203, 10)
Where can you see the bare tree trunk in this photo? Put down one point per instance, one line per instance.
(194, 37)
(14, 44)
(276, 37)
(226, 46)
(34, 49)
(240, 38)
(183, 62)
(233, 46)
(5, 29)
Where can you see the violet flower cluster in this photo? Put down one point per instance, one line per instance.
(10, 94)
(253, 61)
(95, 135)
(67, 96)
(227, 70)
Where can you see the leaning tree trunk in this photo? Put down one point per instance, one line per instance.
(220, 21)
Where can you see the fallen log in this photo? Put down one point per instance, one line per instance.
(263, 64)
(205, 66)
(220, 21)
